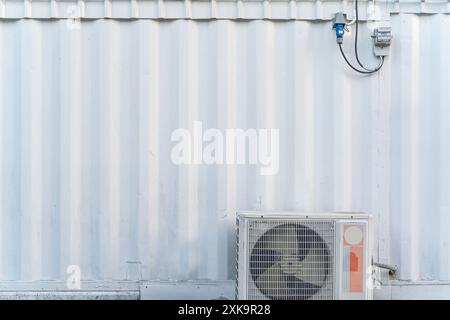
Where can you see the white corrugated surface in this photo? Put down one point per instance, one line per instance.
(85, 123)
(179, 9)
(213, 9)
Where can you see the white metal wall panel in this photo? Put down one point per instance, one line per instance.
(213, 9)
(86, 117)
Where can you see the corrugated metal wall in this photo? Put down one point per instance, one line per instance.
(86, 117)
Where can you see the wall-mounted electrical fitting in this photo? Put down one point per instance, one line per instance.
(339, 22)
(381, 41)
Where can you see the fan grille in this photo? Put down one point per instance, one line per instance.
(291, 259)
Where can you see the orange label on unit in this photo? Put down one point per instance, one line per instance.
(354, 241)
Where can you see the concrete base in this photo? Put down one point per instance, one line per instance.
(69, 295)
(195, 290)
(188, 290)
(57, 290)
(420, 290)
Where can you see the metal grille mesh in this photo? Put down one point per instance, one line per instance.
(291, 260)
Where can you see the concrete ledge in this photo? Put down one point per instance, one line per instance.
(57, 290)
(69, 295)
(195, 290)
(57, 285)
(418, 290)
(188, 290)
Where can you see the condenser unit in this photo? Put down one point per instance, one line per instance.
(301, 256)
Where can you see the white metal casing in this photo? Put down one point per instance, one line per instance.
(342, 220)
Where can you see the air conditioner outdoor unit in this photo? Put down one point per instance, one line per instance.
(300, 256)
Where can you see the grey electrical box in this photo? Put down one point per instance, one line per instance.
(381, 40)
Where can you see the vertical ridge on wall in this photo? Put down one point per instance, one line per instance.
(188, 176)
(444, 154)
(11, 139)
(169, 203)
(110, 184)
(89, 145)
(428, 151)
(2, 174)
(411, 156)
(228, 101)
(31, 151)
(71, 156)
(51, 146)
(304, 119)
(87, 112)
(149, 191)
(264, 104)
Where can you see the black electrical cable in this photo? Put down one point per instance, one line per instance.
(356, 36)
(366, 70)
(356, 69)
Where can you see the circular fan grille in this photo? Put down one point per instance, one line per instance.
(290, 261)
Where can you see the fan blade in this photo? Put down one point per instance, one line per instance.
(285, 240)
(278, 286)
(262, 259)
(271, 282)
(298, 289)
(304, 235)
(315, 266)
